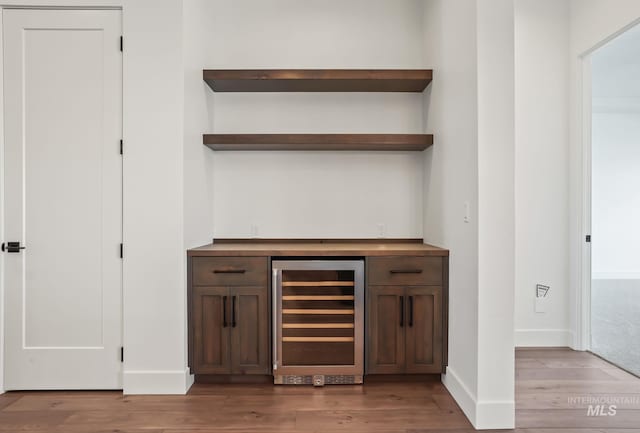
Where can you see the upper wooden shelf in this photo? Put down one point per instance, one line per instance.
(378, 142)
(318, 80)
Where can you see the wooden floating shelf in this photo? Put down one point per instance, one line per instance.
(375, 142)
(318, 80)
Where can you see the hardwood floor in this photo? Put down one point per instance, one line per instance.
(553, 388)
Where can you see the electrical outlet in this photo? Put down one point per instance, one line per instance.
(382, 231)
(467, 212)
(254, 230)
(542, 299)
(542, 305)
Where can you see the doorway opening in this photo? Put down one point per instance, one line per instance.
(615, 201)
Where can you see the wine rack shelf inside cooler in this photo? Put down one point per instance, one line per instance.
(309, 296)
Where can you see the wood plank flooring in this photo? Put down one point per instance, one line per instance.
(553, 392)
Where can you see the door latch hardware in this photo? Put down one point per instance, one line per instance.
(12, 247)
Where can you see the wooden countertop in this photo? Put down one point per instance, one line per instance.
(317, 248)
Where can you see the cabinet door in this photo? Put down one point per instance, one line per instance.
(211, 354)
(250, 328)
(424, 329)
(385, 330)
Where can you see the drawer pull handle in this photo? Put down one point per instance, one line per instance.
(229, 271)
(405, 271)
(402, 311)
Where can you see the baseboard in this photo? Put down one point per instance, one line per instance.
(495, 415)
(484, 415)
(460, 393)
(543, 337)
(191, 379)
(157, 382)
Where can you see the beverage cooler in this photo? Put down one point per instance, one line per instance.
(318, 322)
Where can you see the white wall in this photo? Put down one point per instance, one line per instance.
(541, 180)
(315, 194)
(496, 215)
(593, 22)
(550, 112)
(451, 176)
(153, 267)
(470, 105)
(154, 319)
(198, 160)
(616, 158)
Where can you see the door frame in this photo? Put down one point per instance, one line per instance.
(2, 174)
(2, 185)
(582, 252)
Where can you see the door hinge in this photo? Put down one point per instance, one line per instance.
(121, 43)
(588, 238)
(121, 251)
(121, 146)
(121, 354)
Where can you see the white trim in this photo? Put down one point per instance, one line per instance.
(460, 393)
(617, 275)
(483, 415)
(157, 382)
(495, 415)
(2, 315)
(582, 339)
(543, 337)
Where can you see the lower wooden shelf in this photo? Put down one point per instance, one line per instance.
(375, 142)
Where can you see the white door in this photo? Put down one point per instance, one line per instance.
(63, 199)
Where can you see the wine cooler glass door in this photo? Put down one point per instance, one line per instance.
(319, 311)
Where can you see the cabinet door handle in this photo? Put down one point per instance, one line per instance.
(410, 311)
(233, 311)
(405, 271)
(229, 271)
(402, 311)
(224, 311)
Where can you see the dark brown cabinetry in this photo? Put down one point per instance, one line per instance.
(211, 332)
(385, 332)
(405, 323)
(230, 323)
(229, 315)
(423, 330)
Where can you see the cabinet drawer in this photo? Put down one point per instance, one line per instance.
(229, 271)
(404, 271)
